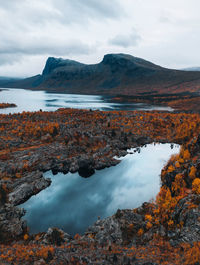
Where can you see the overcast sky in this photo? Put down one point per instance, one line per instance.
(166, 32)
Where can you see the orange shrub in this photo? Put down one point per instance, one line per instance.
(196, 186)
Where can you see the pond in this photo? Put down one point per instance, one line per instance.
(27, 100)
(73, 203)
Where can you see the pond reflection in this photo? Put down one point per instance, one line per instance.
(73, 203)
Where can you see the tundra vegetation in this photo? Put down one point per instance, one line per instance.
(164, 231)
(7, 105)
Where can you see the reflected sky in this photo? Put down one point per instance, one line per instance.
(73, 203)
(27, 100)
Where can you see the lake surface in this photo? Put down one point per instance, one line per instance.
(73, 203)
(27, 100)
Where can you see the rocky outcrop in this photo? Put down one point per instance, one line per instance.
(54, 63)
(55, 236)
(26, 187)
(122, 228)
(11, 225)
(187, 213)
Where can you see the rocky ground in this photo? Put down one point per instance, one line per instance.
(82, 141)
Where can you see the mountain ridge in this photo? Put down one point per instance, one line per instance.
(116, 74)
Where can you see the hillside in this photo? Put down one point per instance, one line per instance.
(116, 74)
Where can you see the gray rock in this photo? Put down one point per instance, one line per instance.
(56, 236)
(24, 191)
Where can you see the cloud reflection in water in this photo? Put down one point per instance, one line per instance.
(73, 203)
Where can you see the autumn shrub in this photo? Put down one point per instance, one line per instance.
(186, 154)
(179, 185)
(192, 255)
(196, 186)
(192, 173)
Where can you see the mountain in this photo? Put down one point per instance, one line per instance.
(4, 80)
(191, 69)
(116, 74)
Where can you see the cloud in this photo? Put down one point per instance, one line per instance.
(8, 59)
(74, 47)
(49, 27)
(85, 30)
(126, 41)
(88, 9)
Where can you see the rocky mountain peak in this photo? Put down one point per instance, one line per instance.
(53, 63)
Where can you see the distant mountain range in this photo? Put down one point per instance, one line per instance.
(5, 81)
(191, 69)
(116, 74)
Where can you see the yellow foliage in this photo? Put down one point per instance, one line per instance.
(181, 160)
(178, 186)
(171, 168)
(26, 237)
(196, 185)
(192, 173)
(140, 232)
(170, 223)
(186, 155)
(193, 254)
(177, 164)
(148, 217)
(148, 225)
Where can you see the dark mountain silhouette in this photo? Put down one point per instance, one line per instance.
(117, 74)
(5, 81)
(191, 69)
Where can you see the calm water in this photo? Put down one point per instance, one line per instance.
(27, 100)
(74, 203)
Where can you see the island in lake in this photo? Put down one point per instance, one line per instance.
(7, 105)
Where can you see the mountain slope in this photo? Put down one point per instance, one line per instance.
(117, 74)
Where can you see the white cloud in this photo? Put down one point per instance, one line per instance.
(164, 32)
(125, 41)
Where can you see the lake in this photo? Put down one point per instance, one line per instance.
(73, 203)
(27, 100)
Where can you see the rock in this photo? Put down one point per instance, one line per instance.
(56, 236)
(86, 166)
(11, 225)
(23, 191)
(189, 218)
(106, 230)
(39, 262)
(73, 165)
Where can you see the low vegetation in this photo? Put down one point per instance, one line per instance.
(7, 105)
(66, 134)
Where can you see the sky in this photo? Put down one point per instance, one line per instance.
(164, 32)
